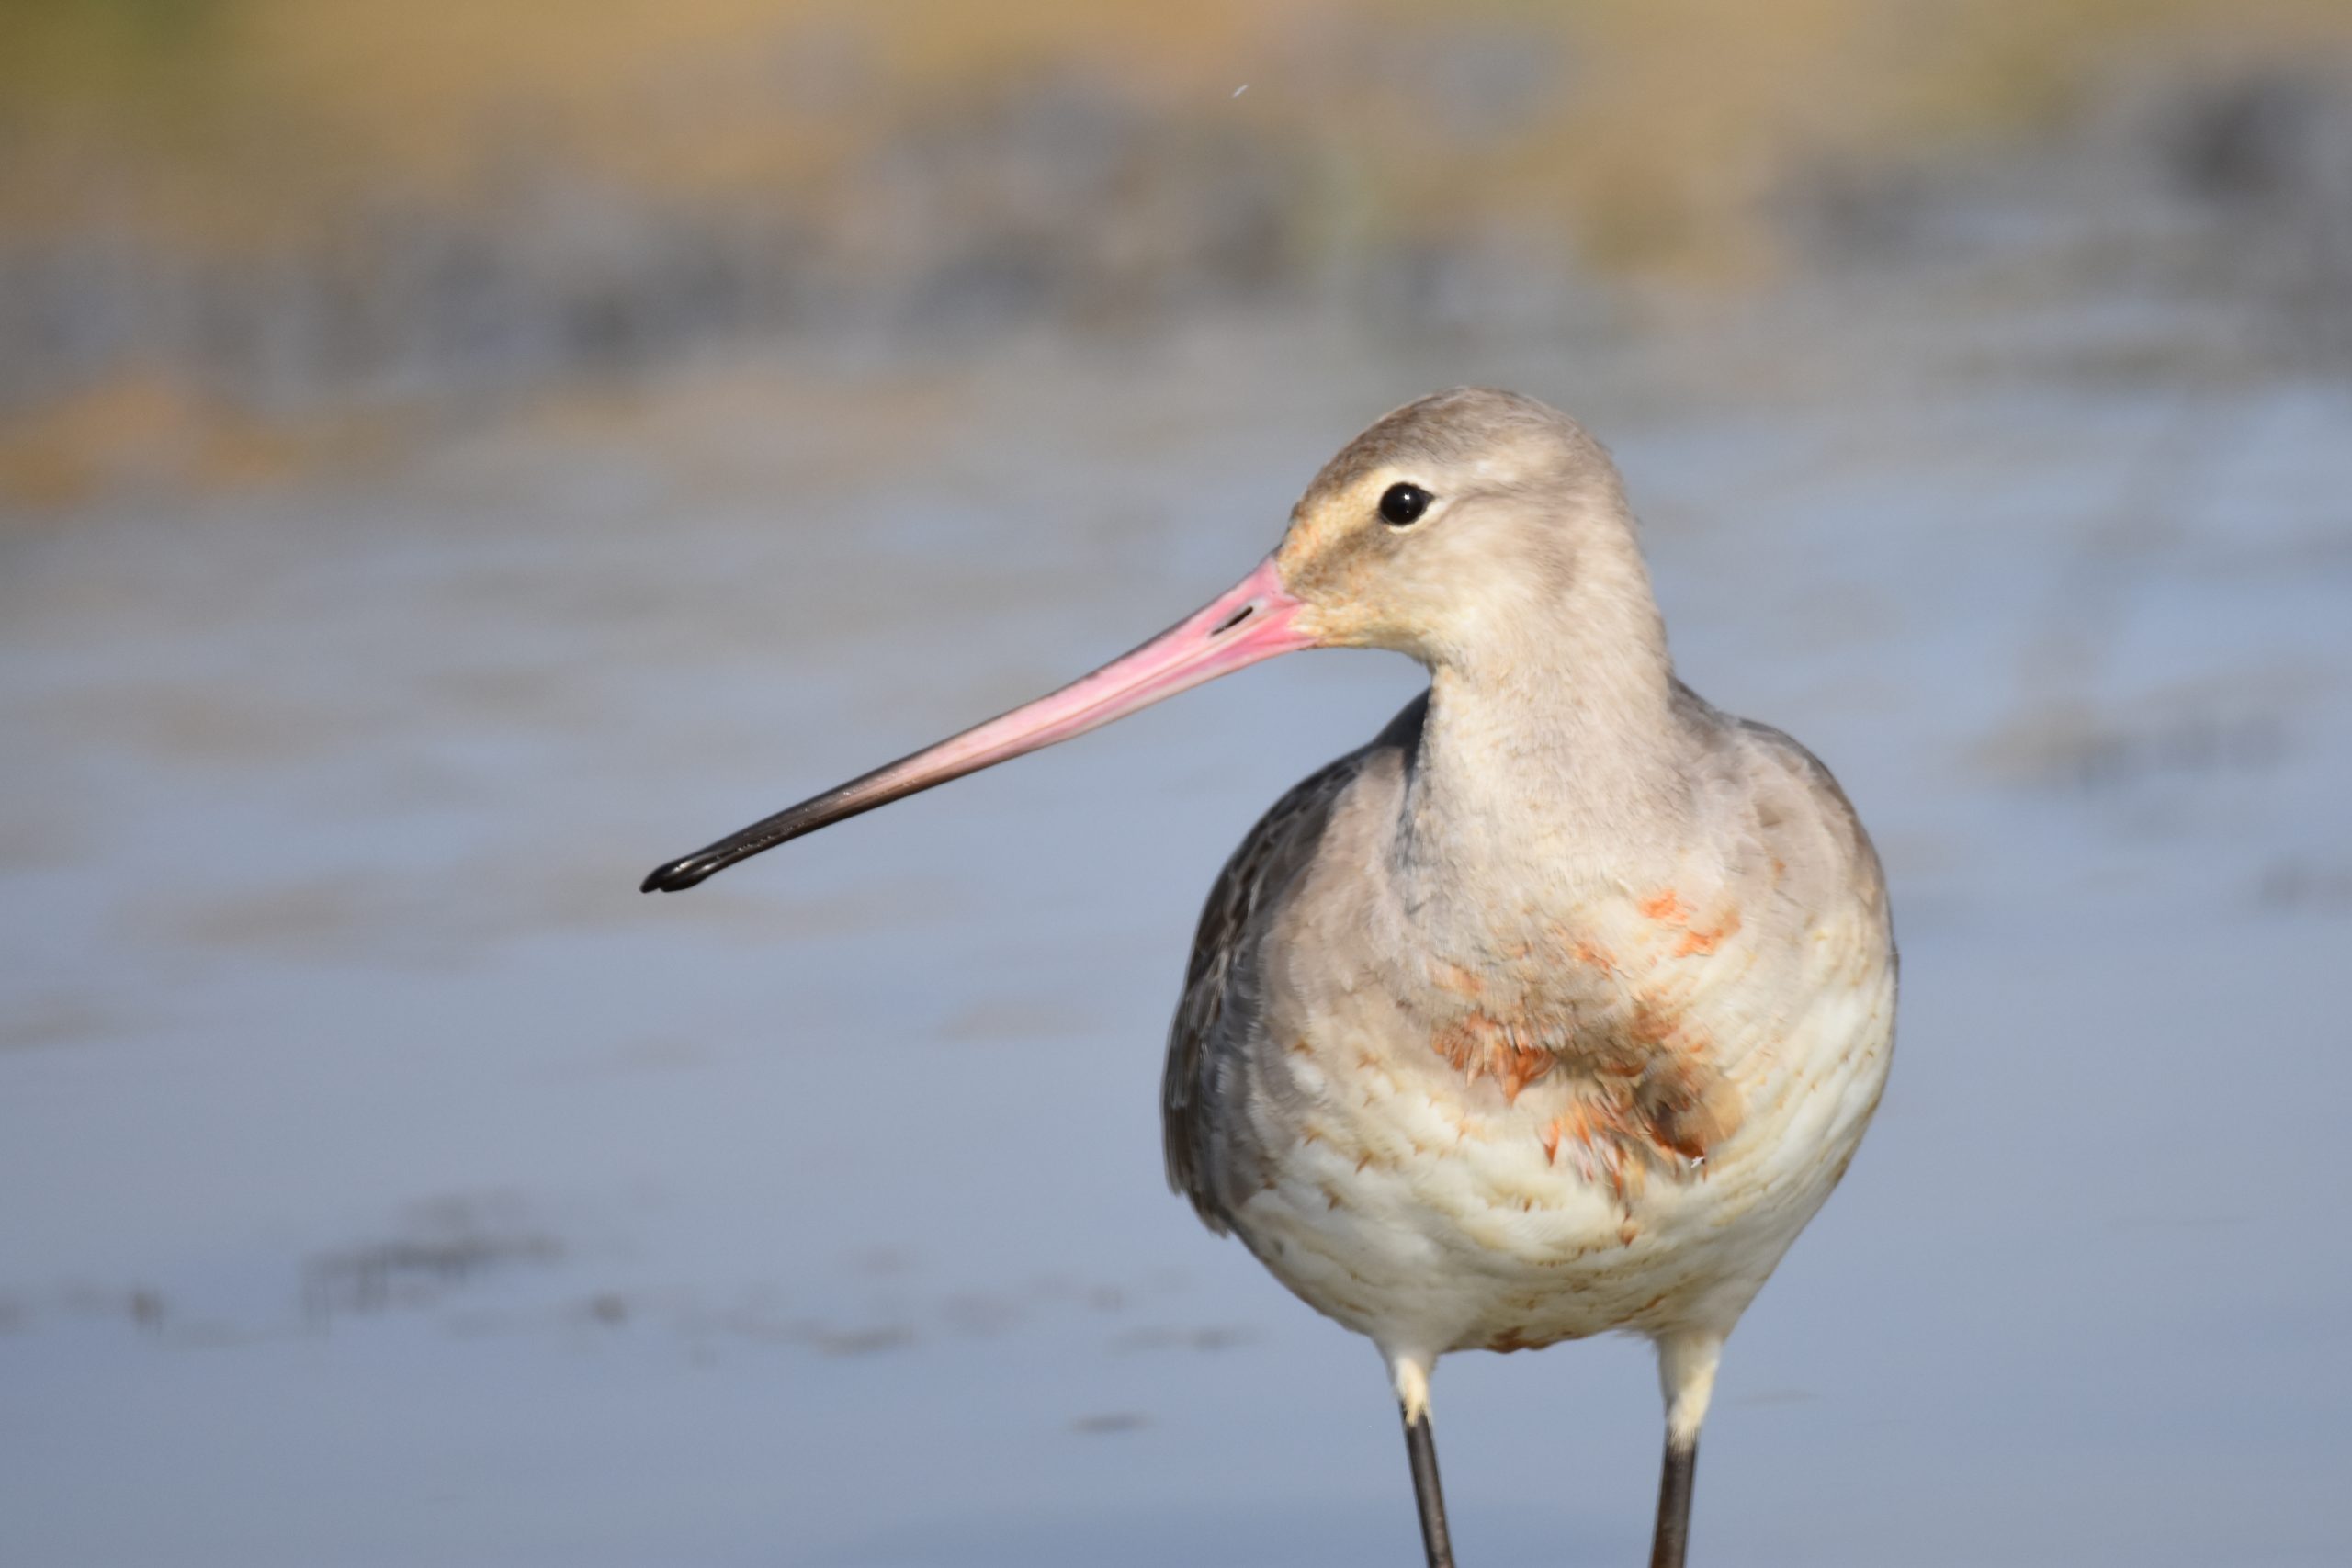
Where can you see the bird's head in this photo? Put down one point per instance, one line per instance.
(1453, 526)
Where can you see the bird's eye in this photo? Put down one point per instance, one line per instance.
(1403, 503)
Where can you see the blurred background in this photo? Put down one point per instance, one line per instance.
(454, 457)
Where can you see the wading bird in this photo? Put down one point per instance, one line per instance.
(1558, 1009)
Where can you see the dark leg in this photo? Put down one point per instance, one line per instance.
(1674, 1504)
(1422, 1447)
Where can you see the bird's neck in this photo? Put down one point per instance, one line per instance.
(1552, 764)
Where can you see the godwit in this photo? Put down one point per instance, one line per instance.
(1559, 1008)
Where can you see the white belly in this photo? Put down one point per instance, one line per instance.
(1436, 1213)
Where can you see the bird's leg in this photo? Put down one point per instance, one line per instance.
(1412, 1378)
(1686, 1372)
(1674, 1504)
(1422, 1448)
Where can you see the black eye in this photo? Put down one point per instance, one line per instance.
(1401, 504)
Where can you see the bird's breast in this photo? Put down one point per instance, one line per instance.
(1617, 1023)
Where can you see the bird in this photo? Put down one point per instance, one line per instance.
(1560, 1008)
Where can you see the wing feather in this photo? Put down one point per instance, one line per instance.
(1221, 1005)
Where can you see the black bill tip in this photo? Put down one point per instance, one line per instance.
(711, 859)
(678, 875)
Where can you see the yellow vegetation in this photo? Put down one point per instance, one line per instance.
(1647, 130)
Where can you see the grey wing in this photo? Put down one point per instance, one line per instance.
(1221, 1001)
(1817, 827)
(1793, 805)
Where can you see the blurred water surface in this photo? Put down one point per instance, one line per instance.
(388, 1182)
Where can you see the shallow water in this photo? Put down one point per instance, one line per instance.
(391, 1183)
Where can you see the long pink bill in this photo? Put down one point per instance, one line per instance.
(1254, 620)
